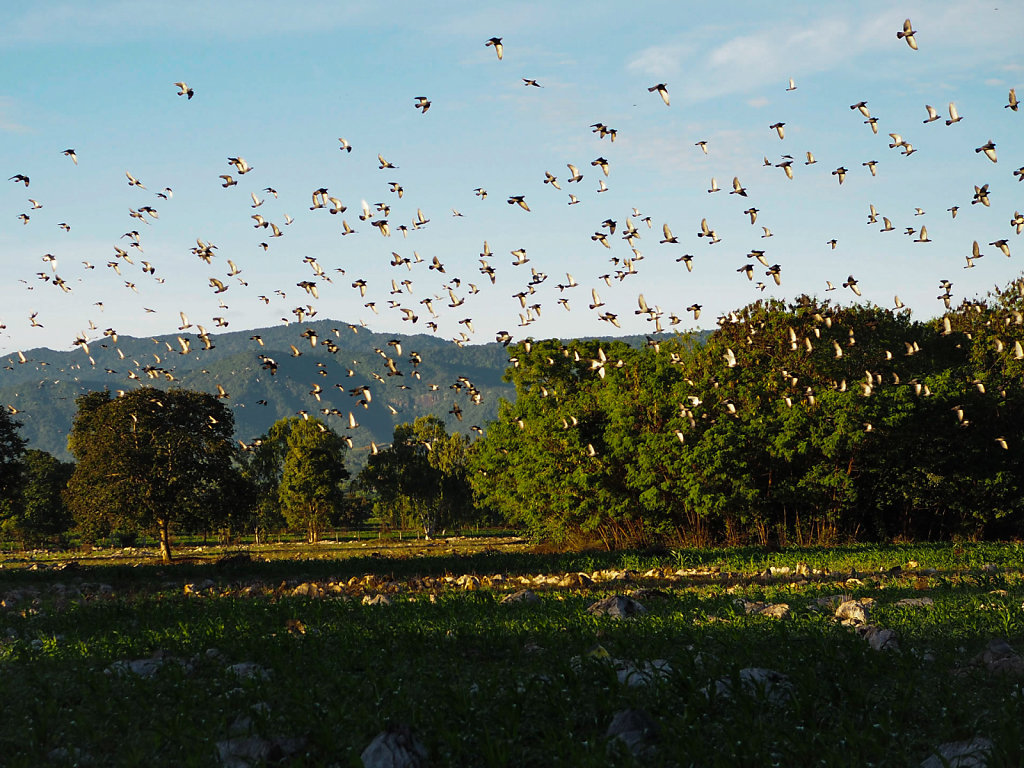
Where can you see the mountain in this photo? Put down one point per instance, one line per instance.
(265, 380)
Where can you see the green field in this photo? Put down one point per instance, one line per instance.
(279, 660)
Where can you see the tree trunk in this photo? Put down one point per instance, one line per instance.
(165, 540)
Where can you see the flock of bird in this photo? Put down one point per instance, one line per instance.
(418, 309)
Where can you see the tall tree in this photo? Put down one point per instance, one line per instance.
(42, 514)
(313, 474)
(151, 460)
(12, 448)
(421, 477)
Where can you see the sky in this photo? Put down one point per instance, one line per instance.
(279, 84)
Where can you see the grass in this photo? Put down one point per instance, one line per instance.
(485, 683)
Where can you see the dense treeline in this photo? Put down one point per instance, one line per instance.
(805, 422)
(799, 423)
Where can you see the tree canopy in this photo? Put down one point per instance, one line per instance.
(801, 422)
(311, 488)
(421, 477)
(12, 448)
(151, 460)
(40, 514)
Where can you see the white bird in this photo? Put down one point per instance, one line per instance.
(495, 42)
(662, 90)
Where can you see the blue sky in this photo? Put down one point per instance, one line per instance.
(278, 84)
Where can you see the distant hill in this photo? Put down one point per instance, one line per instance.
(341, 360)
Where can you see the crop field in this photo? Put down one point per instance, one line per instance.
(466, 655)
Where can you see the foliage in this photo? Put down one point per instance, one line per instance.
(12, 448)
(152, 460)
(311, 489)
(801, 422)
(41, 514)
(421, 477)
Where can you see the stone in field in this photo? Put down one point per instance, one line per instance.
(999, 657)
(199, 586)
(396, 747)
(249, 670)
(773, 686)
(776, 611)
(307, 589)
(522, 596)
(757, 608)
(617, 606)
(852, 613)
(247, 751)
(644, 673)
(634, 728)
(914, 602)
(376, 600)
(961, 754)
(879, 639)
(145, 668)
(65, 756)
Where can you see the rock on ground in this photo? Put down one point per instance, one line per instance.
(522, 596)
(396, 747)
(758, 681)
(999, 657)
(617, 606)
(634, 728)
(852, 613)
(961, 754)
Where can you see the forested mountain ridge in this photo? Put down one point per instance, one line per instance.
(263, 379)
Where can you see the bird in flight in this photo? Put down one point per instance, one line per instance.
(662, 90)
(907, 33)
(496, 43)
(184, 90)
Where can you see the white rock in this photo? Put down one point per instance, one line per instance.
(758, 681)
(879, 639)
(854, 612)
(522, 596)
(249, 751)
(617, 606)
(914, 602)
(776, 611)
(249, 670)
(961, 754)
(634, 728)
(644, 673)
(141, 667)
(396, 747)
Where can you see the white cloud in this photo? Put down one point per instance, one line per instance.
(659, 61)
(9, 124)
(797, 46)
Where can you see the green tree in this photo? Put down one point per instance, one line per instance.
(12, 448)
(42, 514)
(152, 460)
(263, 467)
(312, 485)
(421, 477)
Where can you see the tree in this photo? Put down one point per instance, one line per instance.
(262, 468)
(421, 478)
(151, 460)
(12, 448)
(41, 514)
(312, 485)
